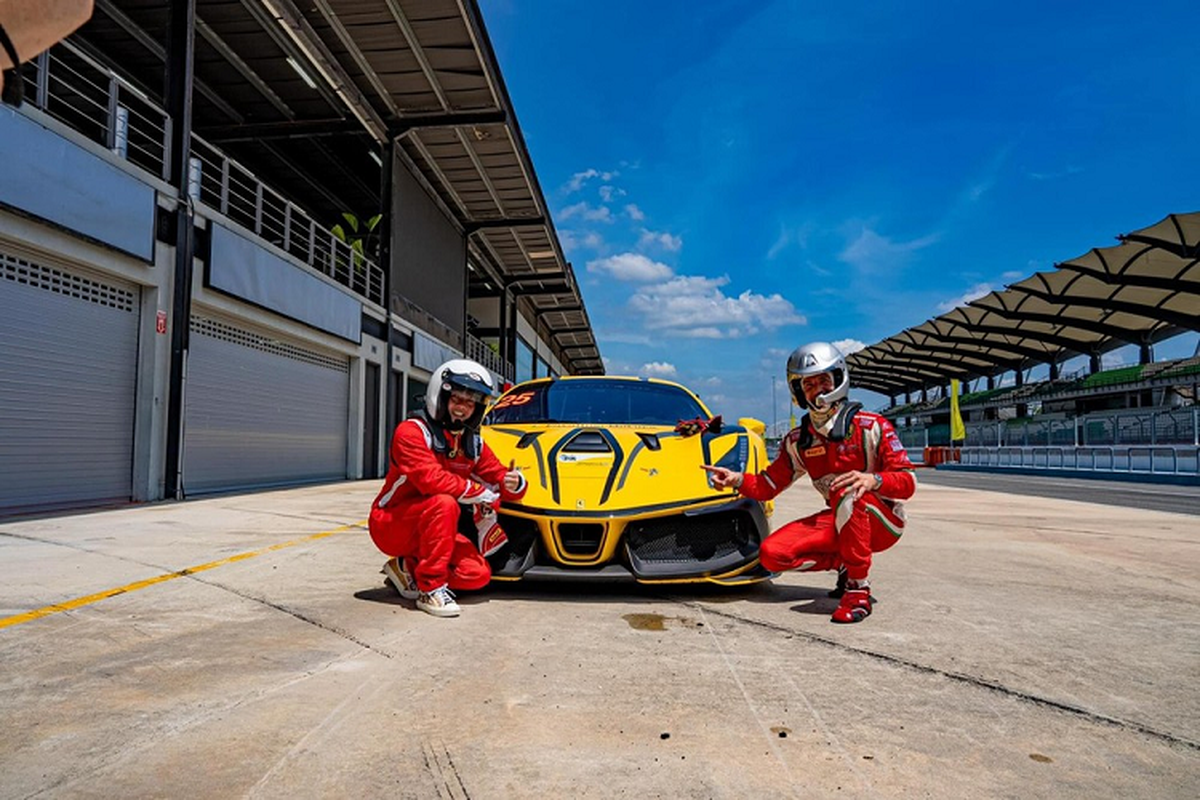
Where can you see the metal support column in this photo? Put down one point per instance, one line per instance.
(385, 263)
(181, 37)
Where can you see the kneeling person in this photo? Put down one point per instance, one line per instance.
(442, 479)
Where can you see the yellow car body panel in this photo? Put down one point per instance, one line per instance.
(612, 492)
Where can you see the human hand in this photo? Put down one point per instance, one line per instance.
(476, 493)
(512, 478)
(855, 482)
(723, 478)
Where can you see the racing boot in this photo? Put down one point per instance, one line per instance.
(856, 603)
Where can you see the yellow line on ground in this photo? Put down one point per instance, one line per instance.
(78, 602)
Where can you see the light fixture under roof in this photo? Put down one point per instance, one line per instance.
(541, 254)
(300, 71)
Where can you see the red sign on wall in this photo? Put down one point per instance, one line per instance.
(160, 322)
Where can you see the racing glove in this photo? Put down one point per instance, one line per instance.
(477, 492)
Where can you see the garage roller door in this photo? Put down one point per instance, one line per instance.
(68, 359)
(261, 411)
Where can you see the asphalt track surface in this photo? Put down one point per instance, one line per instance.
(245, 646)
(1129, 494)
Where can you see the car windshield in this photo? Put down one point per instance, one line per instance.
(595, 402)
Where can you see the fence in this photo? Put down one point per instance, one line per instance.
(67, 84)
(1135, 459)
(1118, 427)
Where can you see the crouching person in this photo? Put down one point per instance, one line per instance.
(443, 482)
(856, 462)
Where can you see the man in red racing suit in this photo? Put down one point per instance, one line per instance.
(442, 480)
(857, 463)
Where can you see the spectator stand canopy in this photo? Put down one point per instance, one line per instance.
(1142, 291)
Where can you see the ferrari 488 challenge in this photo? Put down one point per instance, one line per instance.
(616, 492)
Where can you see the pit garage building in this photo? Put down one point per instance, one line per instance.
(178, 313)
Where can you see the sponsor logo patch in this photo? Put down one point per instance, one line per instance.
(813, 452)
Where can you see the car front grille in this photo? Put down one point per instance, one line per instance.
(580, 538)
(679, 539)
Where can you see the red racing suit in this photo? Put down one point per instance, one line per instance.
(434, 476)
(847, 531)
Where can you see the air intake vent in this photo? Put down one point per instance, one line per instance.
(588, 442)
(580, 539)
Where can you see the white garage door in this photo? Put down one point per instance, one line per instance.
(68, 360)
(261, 411)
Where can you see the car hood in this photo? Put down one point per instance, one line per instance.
(591, 469)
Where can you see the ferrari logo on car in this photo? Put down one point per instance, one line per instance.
(579, 504)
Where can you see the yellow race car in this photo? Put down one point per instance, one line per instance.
(616, 492)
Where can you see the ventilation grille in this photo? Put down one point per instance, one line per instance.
(682, 539)
(18, 270)
(228, 333)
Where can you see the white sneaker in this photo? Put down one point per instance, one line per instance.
(439, 602)
(400, 578)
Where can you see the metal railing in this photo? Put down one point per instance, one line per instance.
(481, 352)
(77, 90)
(1132, 459)
(224, 185)
(1116, 427)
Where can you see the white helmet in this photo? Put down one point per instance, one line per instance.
(813, 359)
(458, 373)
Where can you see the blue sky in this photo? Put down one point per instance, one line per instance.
(731, 178)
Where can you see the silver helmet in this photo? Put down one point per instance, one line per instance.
(813, 359)
(458, 373)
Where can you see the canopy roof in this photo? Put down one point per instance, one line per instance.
(306, 93)
(1141, 291)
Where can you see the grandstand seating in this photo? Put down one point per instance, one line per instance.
(1112, 377)
(1116, 379)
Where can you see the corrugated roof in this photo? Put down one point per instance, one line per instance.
(1142, 291)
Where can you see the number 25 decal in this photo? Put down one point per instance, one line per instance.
(519, 399)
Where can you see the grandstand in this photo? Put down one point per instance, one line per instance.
(1133, 418)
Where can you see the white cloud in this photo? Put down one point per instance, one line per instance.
(1050, 176)
(634, 212)
(974, 293)
(575, 240)
(657, 369)
(785, 238)
(661, 239)
(579, 179)
(631, 267)
(588, 212)
(623, 337)
(1112, 359)
(695, 306)
(608, 193)
(848, 346)
(871, 252)
(798, 236)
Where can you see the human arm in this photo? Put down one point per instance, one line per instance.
(413, 455)
(510, 479)
(763, 485)
(892, 473)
